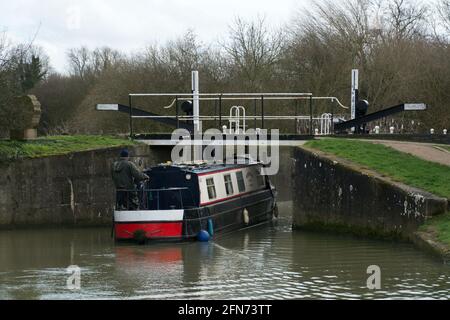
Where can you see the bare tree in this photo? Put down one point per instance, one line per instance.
(444, 13)
(406, 17)
(11, 54)
(4, 54)
(327, 40)
(254, 50)
(79, 61)
(103, 58)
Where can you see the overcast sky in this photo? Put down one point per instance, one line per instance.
(129, 25)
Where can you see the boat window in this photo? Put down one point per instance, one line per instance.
(240, 181)
(228, 184)
(211, 188)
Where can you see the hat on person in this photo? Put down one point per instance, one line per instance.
(124, 153)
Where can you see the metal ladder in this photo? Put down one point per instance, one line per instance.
(236, 113)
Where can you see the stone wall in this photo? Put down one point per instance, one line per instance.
(334, 194)
(74, 189)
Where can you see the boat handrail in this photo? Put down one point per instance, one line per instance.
(154, 199)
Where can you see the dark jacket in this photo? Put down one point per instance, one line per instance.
(125, 174)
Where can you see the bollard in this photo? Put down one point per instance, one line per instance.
(391, 130)
(377, 129)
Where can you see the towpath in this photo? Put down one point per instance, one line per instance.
(426, 151)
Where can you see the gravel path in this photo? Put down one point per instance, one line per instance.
(425, 151)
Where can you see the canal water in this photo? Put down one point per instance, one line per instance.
(269, 261)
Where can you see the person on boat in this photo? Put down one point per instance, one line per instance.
(126, 176)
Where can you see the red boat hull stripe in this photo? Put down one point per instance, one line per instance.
(156, 230)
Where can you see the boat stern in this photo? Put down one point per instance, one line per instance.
(141, 225)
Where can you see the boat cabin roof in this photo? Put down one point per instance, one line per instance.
(202, 168)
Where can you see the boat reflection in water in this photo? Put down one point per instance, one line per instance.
(191, 269)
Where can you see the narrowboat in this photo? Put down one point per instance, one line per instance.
(183, 201)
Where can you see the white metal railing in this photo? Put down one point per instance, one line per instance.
(238, 116)
(234, 94)
(240, 96)
(228, 117)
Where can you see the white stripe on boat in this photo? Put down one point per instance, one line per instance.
(148, 215)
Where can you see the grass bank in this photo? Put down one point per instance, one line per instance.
(440, 227)
(56, 145)
(434, 236)
(399, 166)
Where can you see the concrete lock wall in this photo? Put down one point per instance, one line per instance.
(284, 180)
(334, 194)
(74, 189)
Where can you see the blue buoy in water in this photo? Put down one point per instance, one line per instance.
(203, 236)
